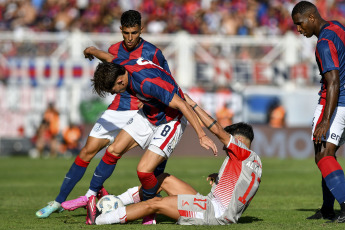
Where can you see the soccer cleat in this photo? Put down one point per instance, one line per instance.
(339, 219)
(150, 219)
(74, 204)
(320, 214)
(91, 211)
(102, 193)
(52, 206)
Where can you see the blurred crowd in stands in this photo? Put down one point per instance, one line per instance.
(229, 17)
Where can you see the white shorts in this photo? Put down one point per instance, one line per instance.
(110, 124)
(335, 134)
(160, 139)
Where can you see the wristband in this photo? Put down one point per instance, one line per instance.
(195, 106)
(210, 126)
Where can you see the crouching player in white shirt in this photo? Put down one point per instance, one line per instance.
(233, 187)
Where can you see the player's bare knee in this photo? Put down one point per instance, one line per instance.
(155, 203)
(324, 153)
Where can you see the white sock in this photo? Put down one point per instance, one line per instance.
(90, 193)
(114, 217)
(131, 196)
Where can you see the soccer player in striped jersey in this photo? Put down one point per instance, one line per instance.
(233, 187)
(158, 126)
(329, 117)
(123, 107)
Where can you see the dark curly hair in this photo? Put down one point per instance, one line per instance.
(303, 7)
(105, 77)
(131, 18)
(242, 129)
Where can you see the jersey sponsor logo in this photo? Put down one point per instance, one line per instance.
(97, 127)
(156, 138)
(130, 121)
(335, 136)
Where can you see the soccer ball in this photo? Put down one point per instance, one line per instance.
(109, 203)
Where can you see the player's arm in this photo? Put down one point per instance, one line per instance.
(209, 122)
(180, 104)
(91, 52)
(333, 86)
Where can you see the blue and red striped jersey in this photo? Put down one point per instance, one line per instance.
(330, 55)
(125, 101)
(154, 87)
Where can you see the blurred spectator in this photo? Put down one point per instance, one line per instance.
(224, 115)
(276, 115)
(71, 139)
(231, 17)
(51, 125)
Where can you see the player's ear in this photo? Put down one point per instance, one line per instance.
(121, 28)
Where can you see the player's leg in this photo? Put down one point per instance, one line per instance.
(168, 183)
(332, 173)
(174, 186)
(76, 172)
(123, 143)
(336, 127)
(166, 206)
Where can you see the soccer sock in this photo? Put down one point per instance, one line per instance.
(149, 184)
(160, 168)
(114, 217)
(334, 177)
(328, 198)
(131, 196)
(75, 173)
(103, 171)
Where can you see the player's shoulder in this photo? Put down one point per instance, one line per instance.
(149, 45)
(114, 47)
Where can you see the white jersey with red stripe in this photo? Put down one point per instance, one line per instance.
(237, 182)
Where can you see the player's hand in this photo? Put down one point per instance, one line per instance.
(88, 53)
(189, 100)
(321, 131)
(212, 178)
(207, 143)
(140, 105)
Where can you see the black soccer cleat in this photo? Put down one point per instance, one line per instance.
(320, 214)
(339, 219)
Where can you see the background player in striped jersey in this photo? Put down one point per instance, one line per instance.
(123, 107)
(158, 126)
(329, 116)
(233, 187)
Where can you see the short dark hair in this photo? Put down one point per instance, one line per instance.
(303, 7)
(105, 76)
(131, 18)
(242, 129)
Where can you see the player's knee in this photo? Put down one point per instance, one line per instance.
(154, 204)
(324, 153)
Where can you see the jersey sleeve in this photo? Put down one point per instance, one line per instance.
(161, 61)
(237, 149)
(327, 55)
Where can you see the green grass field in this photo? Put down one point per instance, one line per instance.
(290, 191)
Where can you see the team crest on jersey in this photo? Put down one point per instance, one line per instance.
(130, 121)
(97, 127)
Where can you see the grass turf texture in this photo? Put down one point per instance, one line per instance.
(290, 191)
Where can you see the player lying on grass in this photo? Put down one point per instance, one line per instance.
(233, 187)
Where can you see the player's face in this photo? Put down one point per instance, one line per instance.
(120, 84)
(131, 36)
(304, 24)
